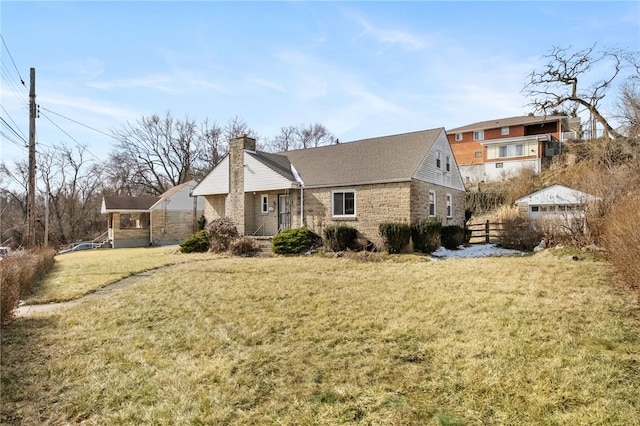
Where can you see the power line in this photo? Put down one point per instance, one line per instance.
(77, 122)
(12, 83)
(13, 141)
(14, 63)
(14, 123)
(70, 137)
(13, 130)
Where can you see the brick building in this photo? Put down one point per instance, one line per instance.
(494, 149)
(400, 178)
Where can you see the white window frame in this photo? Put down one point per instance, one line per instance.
(264, 204)
(511, 150)
(333, 206)
(478, 135)
(448, 163)
(449, 206)
(504, 131)
(458, 137)
(438, 159)
(432, 202)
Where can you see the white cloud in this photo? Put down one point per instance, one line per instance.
(390, 37)
(163, 83)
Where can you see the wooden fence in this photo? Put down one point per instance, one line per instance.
(487, 232)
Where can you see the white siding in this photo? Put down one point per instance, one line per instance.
(428, 172)
(258, 177)
(510, 168)
(216, 182)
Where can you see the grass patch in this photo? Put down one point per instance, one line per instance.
(312, 340)
(78, 273)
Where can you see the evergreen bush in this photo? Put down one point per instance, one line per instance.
(452, 236)
(339, 238)
(295, 241)
(396, 235)
(196, 243)
(425, 235)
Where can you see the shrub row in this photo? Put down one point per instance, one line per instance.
(295, 240)
(218, 236)
(20, 272)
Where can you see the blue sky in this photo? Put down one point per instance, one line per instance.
(363, 69)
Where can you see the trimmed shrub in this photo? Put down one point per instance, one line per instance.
(452, 236)
(295, 241)
(20, 272)
(221, 232)
(339, 238)
(241, 246)
(196, 243)
(425, 235)
(396, 235)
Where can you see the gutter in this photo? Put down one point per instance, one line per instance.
(298, 178)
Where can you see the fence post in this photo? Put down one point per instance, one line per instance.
(486, 232)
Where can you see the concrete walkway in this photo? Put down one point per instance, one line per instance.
(25, 311)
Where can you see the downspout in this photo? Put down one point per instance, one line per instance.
(300, 182)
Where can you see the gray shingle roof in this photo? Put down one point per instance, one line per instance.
(505, 122)
(381, 159)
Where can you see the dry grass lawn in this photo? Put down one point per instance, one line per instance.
(78, 273)
(537, 340)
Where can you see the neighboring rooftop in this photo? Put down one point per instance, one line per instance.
(506, 122)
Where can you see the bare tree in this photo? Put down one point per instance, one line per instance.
(162, 152)
(285, 140)
(73, 191)
(628, 109)
(13, 199)
(303, 136)
(563, 81)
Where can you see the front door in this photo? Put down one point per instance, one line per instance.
(284, 212)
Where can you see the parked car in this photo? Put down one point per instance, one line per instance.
(86, 245)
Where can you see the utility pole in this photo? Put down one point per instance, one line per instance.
(31, 188)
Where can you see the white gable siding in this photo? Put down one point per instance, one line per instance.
(258, 177)
(216, 182)
(180, 201)
(429, 172)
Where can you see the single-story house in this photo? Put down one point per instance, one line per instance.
(398, 178)
(557, 208)
(144, 221)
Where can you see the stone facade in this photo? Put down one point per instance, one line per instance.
(172, 226)
(391, 202)
(235, 201)
(128, 237)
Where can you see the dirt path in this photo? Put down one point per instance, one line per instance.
(29, 310)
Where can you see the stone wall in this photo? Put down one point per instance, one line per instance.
(375, 204)
(172, 227)
(420, 203)
(235, 202)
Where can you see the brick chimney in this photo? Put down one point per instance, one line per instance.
(235, 204)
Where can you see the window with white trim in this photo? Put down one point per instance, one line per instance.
(449, 205)
(478, 135)
(448, 163)
(343, 203)
(514, 150)
(264, 204)
(458, 137)
(438, 159)
(432, 203)
(504, 131)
